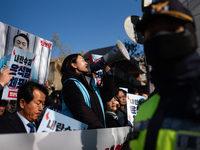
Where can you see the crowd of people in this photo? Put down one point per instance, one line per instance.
(80, 98)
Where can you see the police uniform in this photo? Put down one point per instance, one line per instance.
(170, 119)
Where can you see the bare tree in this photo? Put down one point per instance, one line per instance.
(133, 49)
(63, 49)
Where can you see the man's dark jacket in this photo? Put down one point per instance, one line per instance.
(12, 124)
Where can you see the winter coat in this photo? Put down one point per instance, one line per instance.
(111, 119)
(74, 99)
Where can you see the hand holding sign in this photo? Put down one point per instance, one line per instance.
(21, 64)
(5, 77)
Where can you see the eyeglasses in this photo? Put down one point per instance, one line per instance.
(3, 103)
(116, 98)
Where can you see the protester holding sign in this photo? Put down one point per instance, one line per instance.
(81, 97)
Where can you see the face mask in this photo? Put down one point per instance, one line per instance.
(165, 50)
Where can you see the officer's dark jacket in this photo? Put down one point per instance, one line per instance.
(170, 119)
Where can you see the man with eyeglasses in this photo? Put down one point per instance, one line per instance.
(121, 95)
(122, 110)
(30, 103)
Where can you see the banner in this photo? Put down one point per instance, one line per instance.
(93, 58)
(22, 63)
(125, 89)
(53, 121)
(132, 103)
(96, 139)
(10, 37)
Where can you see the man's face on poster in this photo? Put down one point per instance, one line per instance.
(21, 42)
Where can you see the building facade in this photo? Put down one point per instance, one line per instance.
(194, 7)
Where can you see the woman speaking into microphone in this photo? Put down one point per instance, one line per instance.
(82, 99)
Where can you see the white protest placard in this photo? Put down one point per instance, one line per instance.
(22, 63)
(93, 58)
(53, 121)
(132, 102)
(125, 89)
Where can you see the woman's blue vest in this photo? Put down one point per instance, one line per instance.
(65, 109)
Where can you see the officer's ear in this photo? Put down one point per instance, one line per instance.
(22, 103)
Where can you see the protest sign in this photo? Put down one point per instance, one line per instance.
(125, 89)
(53, 121)
(132, 103)
(11, 36)
(22, 63)
(96, 139)
(93, 58)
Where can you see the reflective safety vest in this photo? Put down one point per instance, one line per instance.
(173, 133)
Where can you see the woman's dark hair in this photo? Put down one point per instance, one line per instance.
(135, 90)
(66, 65)
(116, 91)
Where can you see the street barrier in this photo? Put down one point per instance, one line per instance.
(96, 139)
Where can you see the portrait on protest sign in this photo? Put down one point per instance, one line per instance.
(11, 36)
(21, 45)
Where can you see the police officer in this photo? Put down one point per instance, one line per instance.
(170, 119)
